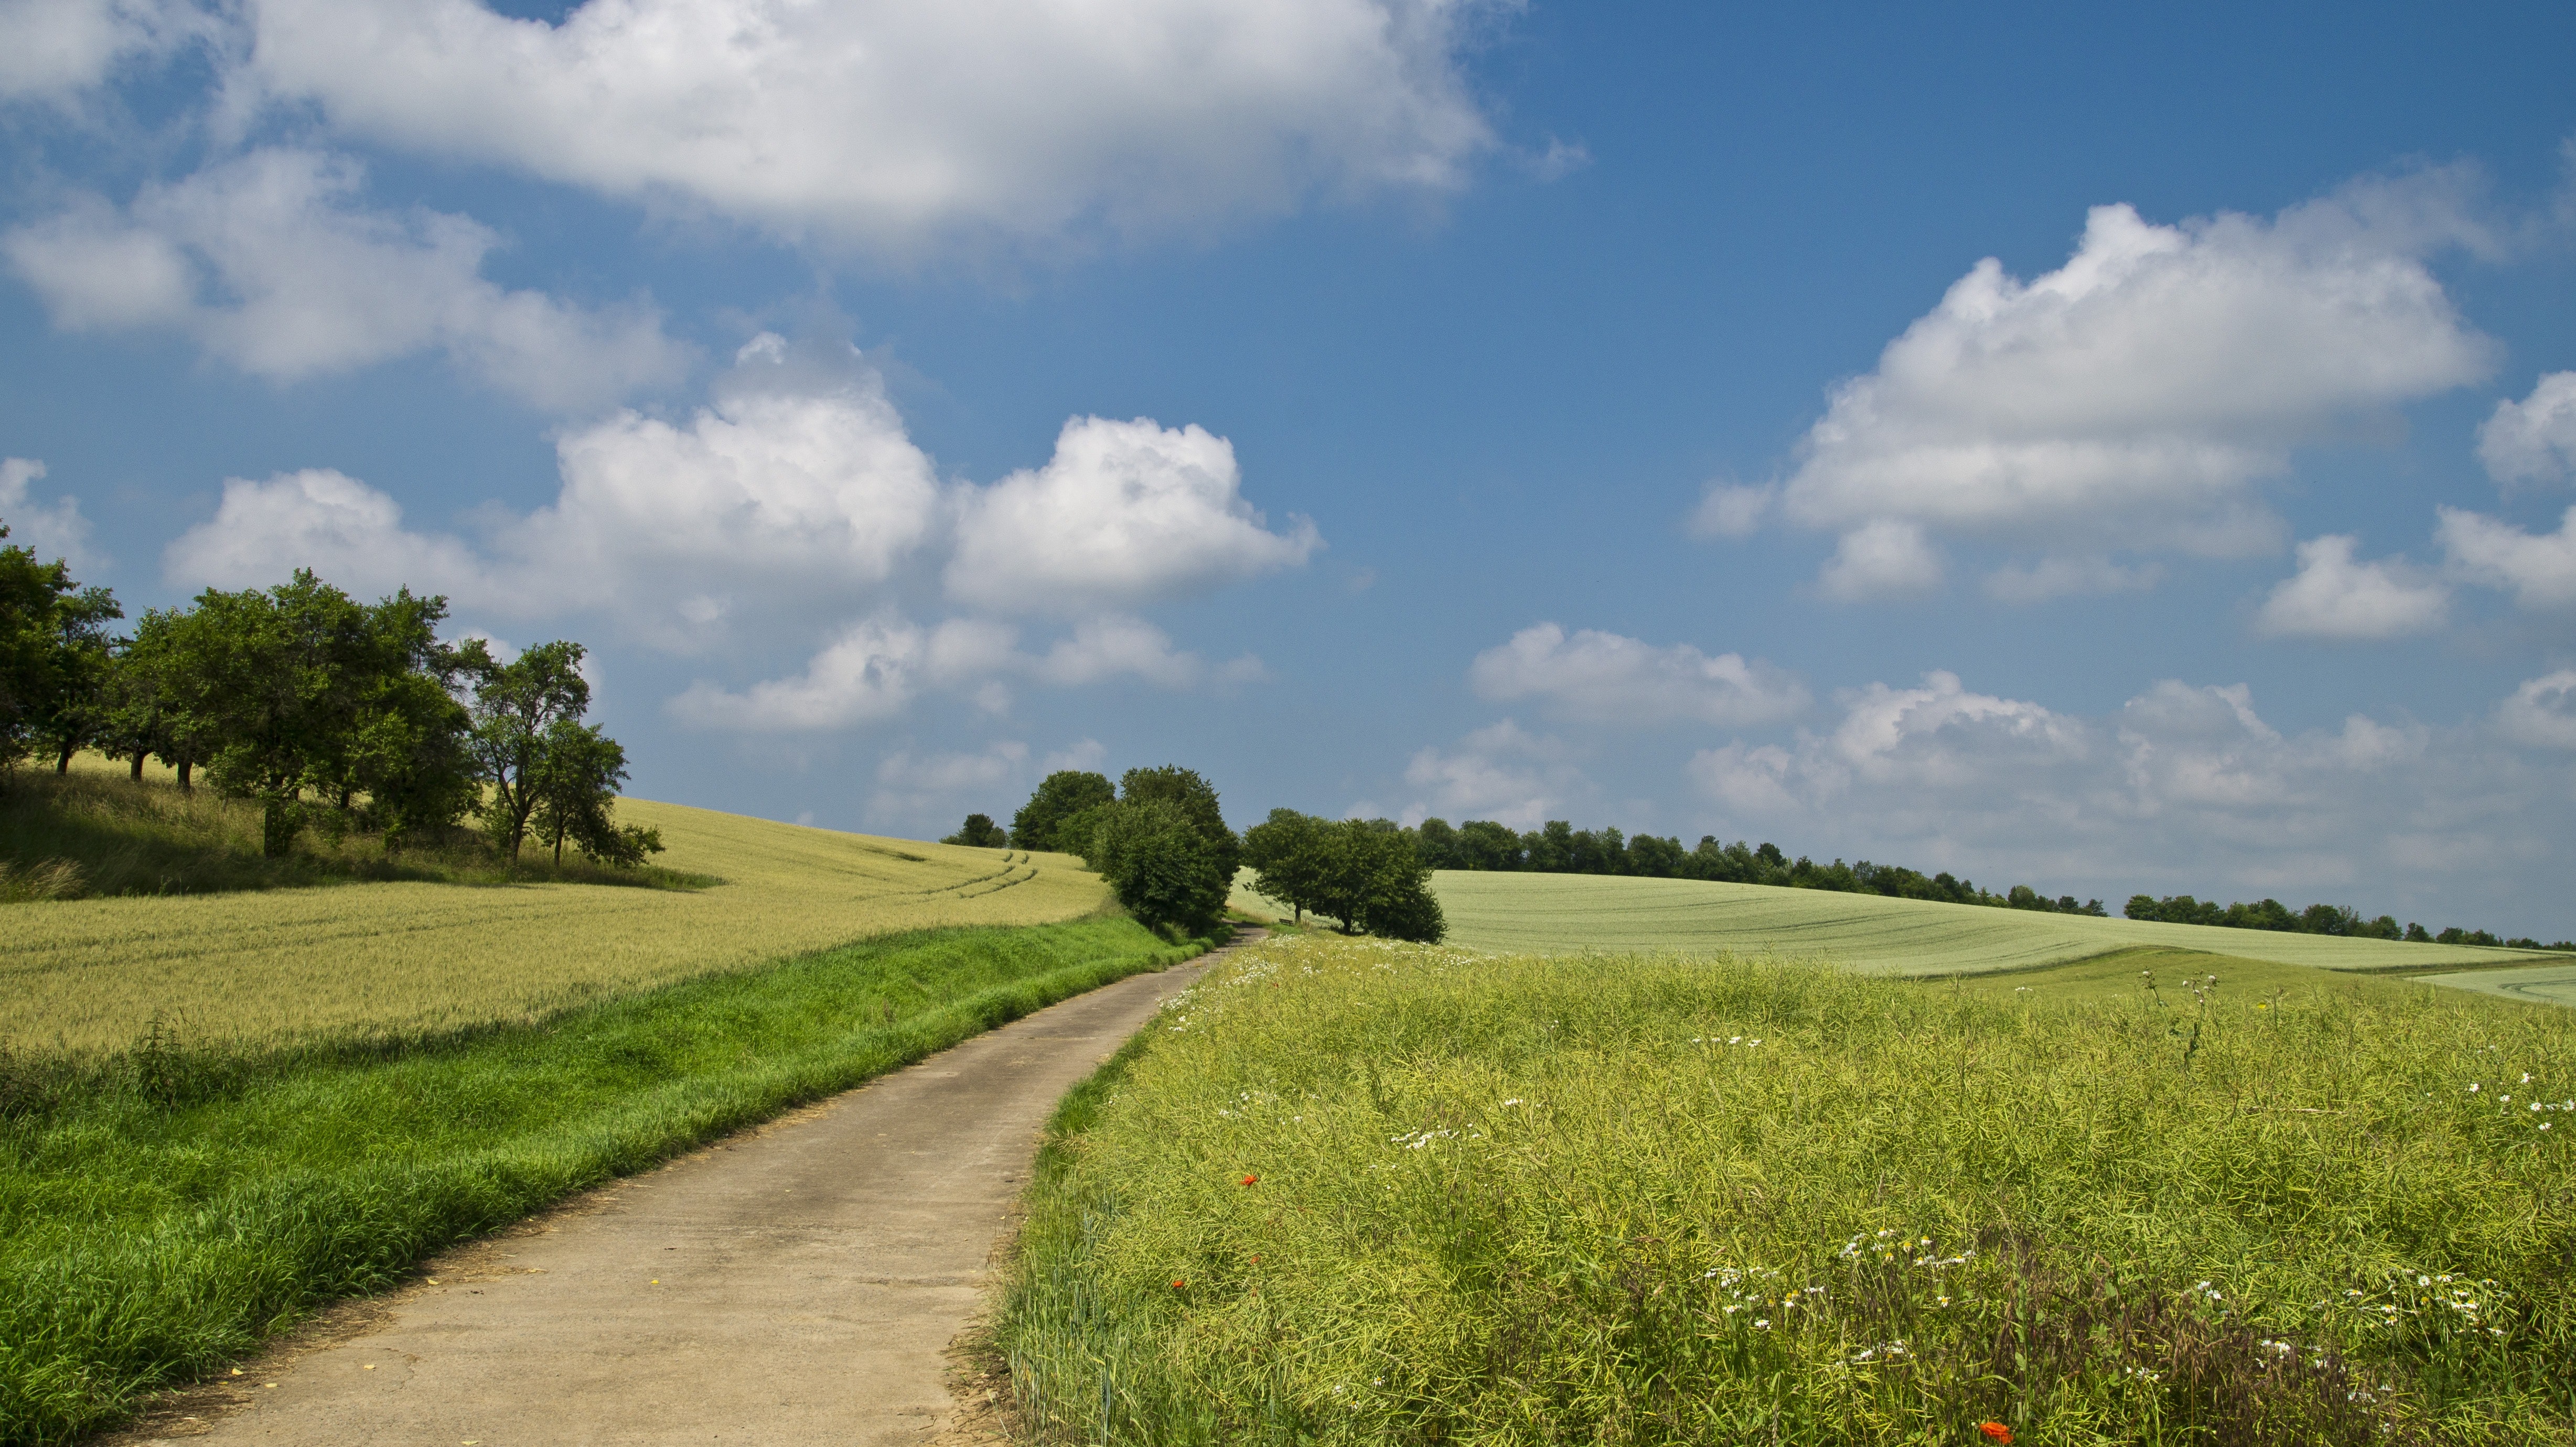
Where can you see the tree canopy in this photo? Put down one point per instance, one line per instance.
(1059, 797)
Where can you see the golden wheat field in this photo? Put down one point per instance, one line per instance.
(279, 966)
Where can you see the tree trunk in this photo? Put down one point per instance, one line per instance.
(185, 765)
(63, 765)
(136, 774)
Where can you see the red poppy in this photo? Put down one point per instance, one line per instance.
(1178, 1284)
(1998, 1431)
(1248, 1180)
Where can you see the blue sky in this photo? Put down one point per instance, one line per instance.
(1603, 413)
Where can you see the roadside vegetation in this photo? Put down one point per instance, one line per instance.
(1350, 1191)
(166, 1206)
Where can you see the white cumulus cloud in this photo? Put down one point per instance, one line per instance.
(1501, 772)
(2134, 398)
(2335, 596)
(2182, 789)
(272, 262)
(1608, 678)
(798, 487)
(2542, 712)
(893, 126)
(1124, 512)
(2538, 568)
(49, 530)
(1882, 558)
(57, 48)
(2533, 440)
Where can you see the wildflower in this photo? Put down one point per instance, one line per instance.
(1251, 1179)
(1179, 1285)
(1997, 1431)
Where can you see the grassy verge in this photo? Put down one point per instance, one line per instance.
(94, 833)
(1356, 1193)
(164, 1209)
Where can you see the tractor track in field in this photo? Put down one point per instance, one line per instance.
(801, 1282)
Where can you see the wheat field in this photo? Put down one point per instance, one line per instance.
(1557, 914)
(283, 966)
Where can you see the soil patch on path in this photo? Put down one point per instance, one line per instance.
(798, 1283)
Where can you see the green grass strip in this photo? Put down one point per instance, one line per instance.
(166, 1211)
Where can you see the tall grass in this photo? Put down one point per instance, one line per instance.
(164, 1208)
(1359, 1193)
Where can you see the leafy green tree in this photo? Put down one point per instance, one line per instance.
(1059, 797)
(979, 832)
(76, 711)
(1286, 853)
(1484, 844)
(575, 786)
(1370, 879)
(1161, 865)
(516, 708)
(1195, 797)
(1436, 842)
(45, 625)
(276, 687)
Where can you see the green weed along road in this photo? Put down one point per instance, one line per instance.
(159, 1214)
(1358, 1193)
(1581, 913)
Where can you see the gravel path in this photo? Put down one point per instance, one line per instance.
(800, 1283)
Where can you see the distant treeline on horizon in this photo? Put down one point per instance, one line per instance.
(1557, 847)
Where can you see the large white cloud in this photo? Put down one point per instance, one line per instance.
(57, 48)
(2334, 596)
(1123, 513)
(2533, 440)
(2134, 398)
(1608, 678)
(272, 262)
(2538, 568)
(797, 488)
(2182, 789)
(879, 665)
(893, 125)
(49, 530)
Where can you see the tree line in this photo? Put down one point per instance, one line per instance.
(330, 714)
(1557, 847)
(2316, 919)
(1161, 842)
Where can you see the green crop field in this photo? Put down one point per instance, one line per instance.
(1580, 913)
(1352, 1192)
(2554, 984)
(270, 967)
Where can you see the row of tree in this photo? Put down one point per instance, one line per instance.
(2316, 919)
(1365, 874)
(329, 713)
(1560, 848)
(1161, 841)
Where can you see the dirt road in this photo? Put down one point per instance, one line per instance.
(796, 1284)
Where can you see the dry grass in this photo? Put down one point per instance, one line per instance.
(283, 966)
(1560, 914)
